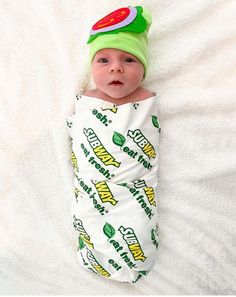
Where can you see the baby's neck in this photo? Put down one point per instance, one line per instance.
(137, 95)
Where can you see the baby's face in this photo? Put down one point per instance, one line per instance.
(116, 73)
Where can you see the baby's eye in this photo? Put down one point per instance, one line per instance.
(103, 60)
(129, 60)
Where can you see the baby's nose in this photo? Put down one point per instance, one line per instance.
(116, 67)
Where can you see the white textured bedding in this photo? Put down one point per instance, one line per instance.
(43, 63)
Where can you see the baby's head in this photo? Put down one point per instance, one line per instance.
(119, 48)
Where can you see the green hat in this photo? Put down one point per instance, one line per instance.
(124, 29)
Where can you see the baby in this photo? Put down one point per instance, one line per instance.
(115, 132)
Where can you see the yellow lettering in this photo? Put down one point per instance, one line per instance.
(100, 150)
(134, 247)
(137, 252)
(105, 157)
(74, 161)
(100, 270)
(112, 162)
(149, 151)
(150, 195)
(105, 193)
(86, 239)
(138, 255)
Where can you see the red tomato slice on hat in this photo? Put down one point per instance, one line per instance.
(114, 20)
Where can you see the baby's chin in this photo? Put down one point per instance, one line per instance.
(119, 94)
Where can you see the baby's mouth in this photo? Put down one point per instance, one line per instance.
(115, 83)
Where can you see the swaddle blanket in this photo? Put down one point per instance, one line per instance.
(115, 157)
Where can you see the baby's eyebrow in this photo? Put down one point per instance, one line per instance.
(102, 55)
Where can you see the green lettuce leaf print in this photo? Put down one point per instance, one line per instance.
(108, 230)
(81, 243)
(155, 121)
(118, 139)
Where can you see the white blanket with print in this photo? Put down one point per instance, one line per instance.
(43, 63)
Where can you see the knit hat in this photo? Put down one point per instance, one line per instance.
(124, 29)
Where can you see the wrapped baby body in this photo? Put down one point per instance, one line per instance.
(115, 159)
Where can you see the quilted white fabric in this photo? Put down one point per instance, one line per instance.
(43, 64)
